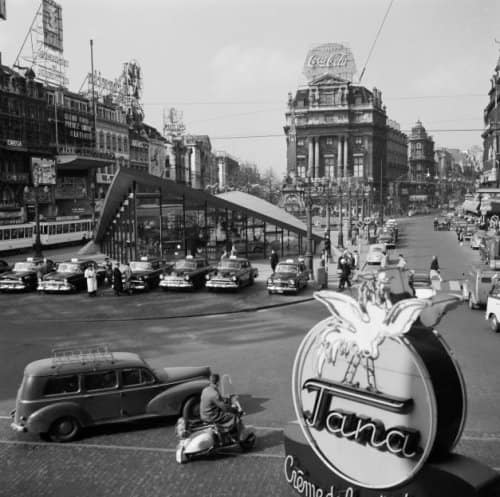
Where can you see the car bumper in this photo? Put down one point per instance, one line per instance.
(281, 289)
(12, 287)
(55, 287)
(176, 284)
(222, 284)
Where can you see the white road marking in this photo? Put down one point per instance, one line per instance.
(123, 447)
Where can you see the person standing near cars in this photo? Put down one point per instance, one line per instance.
(273, 260)
(117, 280)
(127, 276)
(91, 277)
(344, 268)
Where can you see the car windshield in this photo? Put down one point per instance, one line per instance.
(68, 267)
(286, 268)
(21, 267)
(140, 266)
(229, 265)
(185, 265)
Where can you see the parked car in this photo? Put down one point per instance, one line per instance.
(375, 253)
(146, 273)
(493, 308)
(479, 281)
(69, 276)
(24, 274)
(290, 276)
(232, 274)
(421, 283)
(189, 273)
(4, 266)
(443, 224)
(470, 229)
(75, 389)
(387, 237)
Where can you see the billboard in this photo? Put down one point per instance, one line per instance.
(333, 59)
(43, 171)
(52, 25)
(3, 10)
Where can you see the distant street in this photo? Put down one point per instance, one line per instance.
(256, 348)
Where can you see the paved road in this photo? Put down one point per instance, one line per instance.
(256, 348)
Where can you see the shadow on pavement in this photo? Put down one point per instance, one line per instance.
(252, 405)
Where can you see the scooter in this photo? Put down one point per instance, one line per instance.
(197, 438)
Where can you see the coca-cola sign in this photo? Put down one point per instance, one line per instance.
(330, 58)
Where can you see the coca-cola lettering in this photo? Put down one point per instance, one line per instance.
(338, 59)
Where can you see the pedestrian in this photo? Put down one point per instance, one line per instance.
(91, 277)
(127, 278)
(355, 259)
(383, 260)
(344, 269)
(108, 267)
(436, 222)
(327, 245)
(224, 255)
(273, 260)
(402, 262)
(435, 272)
(117, 280)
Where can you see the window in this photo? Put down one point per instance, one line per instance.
(358, 167)
(329, 140)
(136, 376)
(329, 167)
(300, 142)
(61, 384)
(100, 381)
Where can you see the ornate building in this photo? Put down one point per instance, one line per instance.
(337, 133)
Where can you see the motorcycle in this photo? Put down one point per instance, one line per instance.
(197, 438)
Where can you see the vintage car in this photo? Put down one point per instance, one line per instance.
(189, 274)
(4, 266)
(232, 273)
(375, 253)
(443, 224)
(477, 240)
(24, 275)
(75, 389)
(290, 276)
(387, 237)
(421, 283)
(493, 308)
(478, 282)
(469, 230)
(69, 277)
(146, 273)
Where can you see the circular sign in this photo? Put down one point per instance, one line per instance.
(372, 397)
(333, 59)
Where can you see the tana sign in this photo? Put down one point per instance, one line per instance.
(376, 391)
(330, 58)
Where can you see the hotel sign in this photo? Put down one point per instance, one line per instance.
(330, 58)
(368, 390)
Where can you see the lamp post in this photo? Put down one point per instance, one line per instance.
(349, 219)
(309, 249)
(340, 242)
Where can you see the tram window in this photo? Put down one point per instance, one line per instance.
(65, 228)
(29, 232)
(72, 228)
(44, 229)
(52, 229)
(13, 234)
(1, 234)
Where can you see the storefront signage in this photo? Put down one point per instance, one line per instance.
(14, 143)
(43, 171)
(369, 393)
(334, 59)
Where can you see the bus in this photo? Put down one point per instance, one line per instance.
(22, 236)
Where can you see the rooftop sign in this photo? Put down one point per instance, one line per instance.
(330, 58)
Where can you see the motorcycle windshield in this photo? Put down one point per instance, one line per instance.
(226, 386)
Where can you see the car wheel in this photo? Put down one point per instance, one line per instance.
(64, 429)
(494, 325)
(191, 408)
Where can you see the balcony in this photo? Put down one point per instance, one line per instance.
(19, 178)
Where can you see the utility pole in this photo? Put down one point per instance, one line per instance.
(381, 195)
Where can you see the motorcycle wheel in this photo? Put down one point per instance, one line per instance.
(249, 442)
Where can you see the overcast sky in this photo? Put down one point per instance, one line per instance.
(229, 64)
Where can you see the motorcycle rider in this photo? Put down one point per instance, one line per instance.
(213, 409)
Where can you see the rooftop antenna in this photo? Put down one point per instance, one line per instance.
(375, 41)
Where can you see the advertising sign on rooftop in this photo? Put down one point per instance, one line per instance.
(43, 171)
(52, 25)
(333, 59)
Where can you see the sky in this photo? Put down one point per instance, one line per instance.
(228, 65)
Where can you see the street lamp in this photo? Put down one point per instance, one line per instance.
(340, 242)
(306, 192)
(38, 244)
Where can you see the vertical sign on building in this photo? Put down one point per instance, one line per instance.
(52, 25)
(3, 10)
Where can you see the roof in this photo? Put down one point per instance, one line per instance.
(50, 366)
(173, 192)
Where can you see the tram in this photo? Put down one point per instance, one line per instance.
(22, 236)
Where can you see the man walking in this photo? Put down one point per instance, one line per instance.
(273, 260)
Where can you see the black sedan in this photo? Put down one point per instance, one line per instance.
(187, 274)
(68, 277)
(290, 277)
(146, 273)
(24, 275)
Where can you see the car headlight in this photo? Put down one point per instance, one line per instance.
(162, 276)
(269, 281)
(187, 277)
(291, 282)
(207, 276)
(234, 278)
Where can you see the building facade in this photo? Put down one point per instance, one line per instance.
(227, 169)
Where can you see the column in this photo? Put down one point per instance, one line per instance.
(310, 157)
(316, 158)
(187, 167)
(339, 158)
(345, 156)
